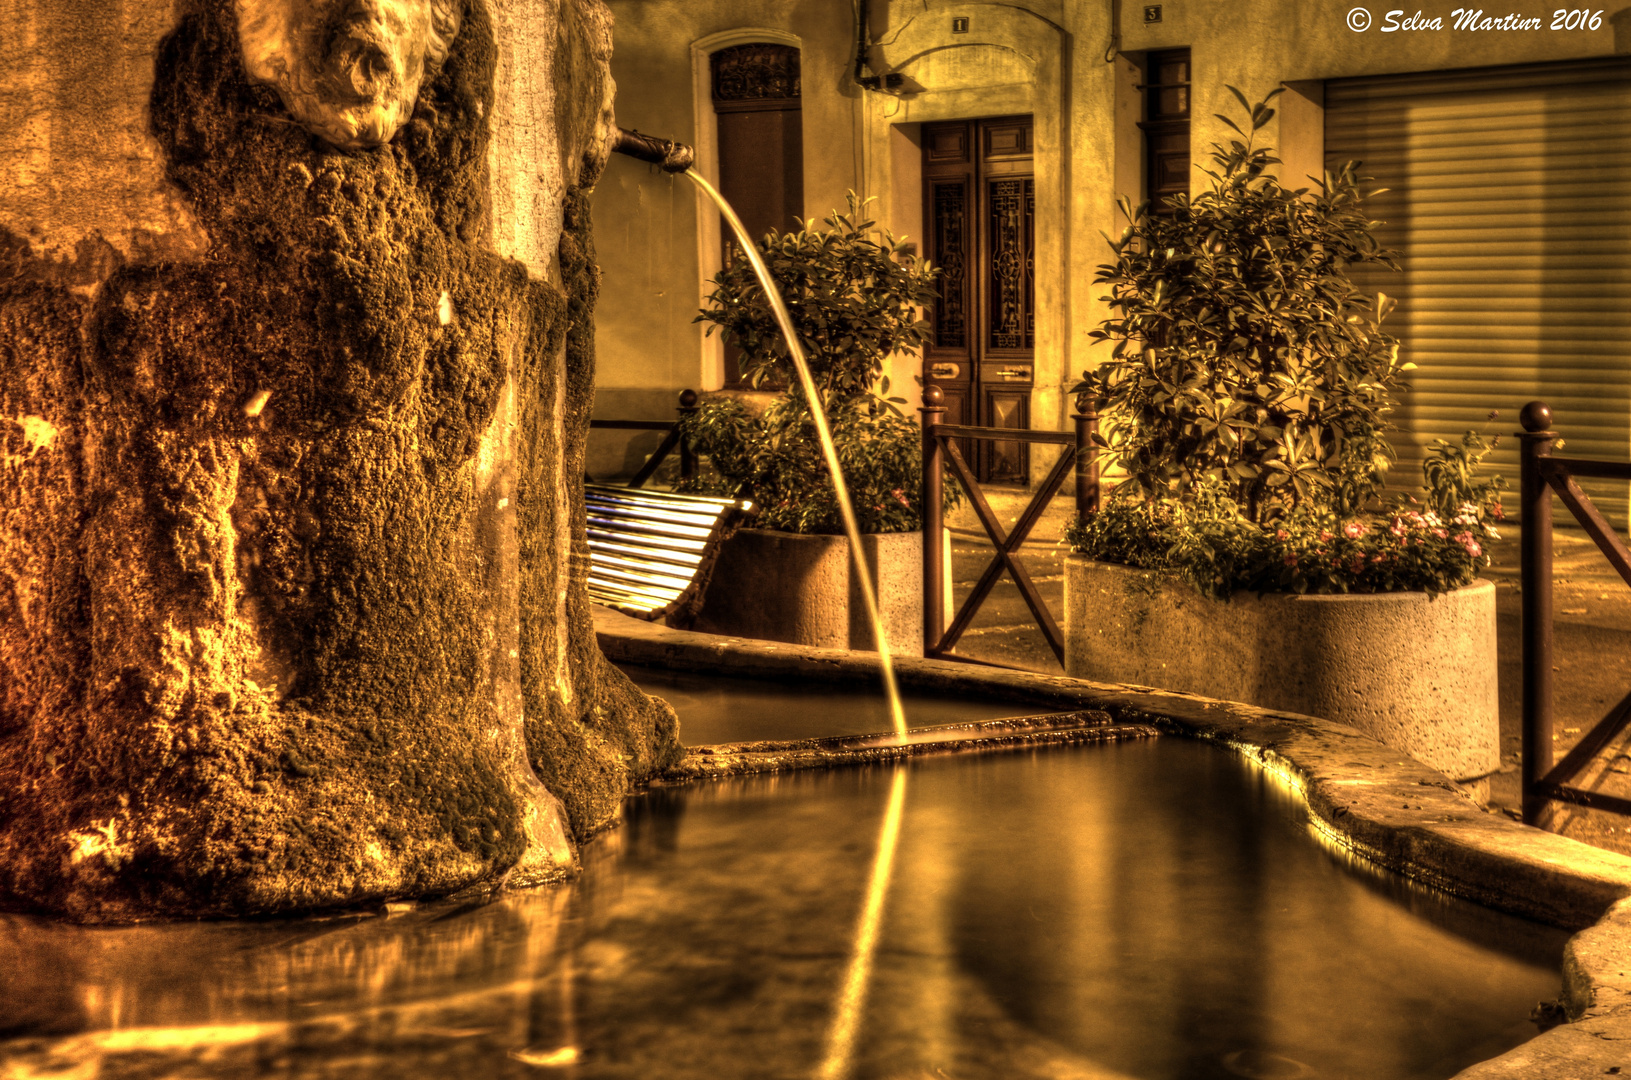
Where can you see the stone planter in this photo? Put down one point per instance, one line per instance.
(791, 587)
(1419, 675)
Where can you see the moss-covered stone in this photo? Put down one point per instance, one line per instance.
(285, 599)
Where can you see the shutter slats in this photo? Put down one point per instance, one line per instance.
(1554, 77)
(1509, 203)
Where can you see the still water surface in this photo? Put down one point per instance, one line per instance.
(1154, 909)
(714, 710)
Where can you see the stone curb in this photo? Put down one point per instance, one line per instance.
(1366, 798)
(990, 737)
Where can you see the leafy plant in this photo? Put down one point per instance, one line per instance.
(774, 459)
(854, 295)
(1248, 394)
(1242, 351)
(1453, 479)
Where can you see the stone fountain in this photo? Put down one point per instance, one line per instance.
(296, 365)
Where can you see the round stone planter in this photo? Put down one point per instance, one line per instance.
(1418, 674)
(781, 586)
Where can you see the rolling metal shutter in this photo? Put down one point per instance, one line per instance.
(1509, 202)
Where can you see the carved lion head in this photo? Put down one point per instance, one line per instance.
(349, 70)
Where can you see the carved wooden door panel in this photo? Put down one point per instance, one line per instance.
(980, 210)
(756, 89)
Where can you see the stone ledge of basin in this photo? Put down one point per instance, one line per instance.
(634, 641)
(748, 759)
(1597, 967)
(1586, 1050)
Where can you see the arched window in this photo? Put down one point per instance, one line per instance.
(761, 144)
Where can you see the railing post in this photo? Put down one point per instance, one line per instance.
(934, 608)
(1535, 442)
(1087, 460)
(688, 459)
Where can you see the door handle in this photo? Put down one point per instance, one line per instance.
(1015, 373)
(943, 371)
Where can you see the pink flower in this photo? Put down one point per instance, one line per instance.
(1441, 533)
(1465, 540)
(1356, 565)
(1398, 528)
(1325, 534)
(1353, 530)
(1498, 512)
(1281, 535)
(900, 497)
(1291, 558)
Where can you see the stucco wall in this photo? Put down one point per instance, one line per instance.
(1060, 61)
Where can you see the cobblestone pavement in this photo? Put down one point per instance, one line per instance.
(1592, 632)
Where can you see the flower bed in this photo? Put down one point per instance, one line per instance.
(1247, 399)
(1207, 543)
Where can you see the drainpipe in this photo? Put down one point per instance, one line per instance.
(863, 43)
(863, 27)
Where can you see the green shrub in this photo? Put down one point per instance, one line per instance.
(1242, 351)
(1453, 479)
(854, 295)
(1247, 398)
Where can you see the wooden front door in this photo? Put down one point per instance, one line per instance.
(979, 203)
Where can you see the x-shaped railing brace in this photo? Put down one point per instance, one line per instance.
(1559, 474)
(1007, 544)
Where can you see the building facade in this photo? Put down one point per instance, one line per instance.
(1001, 135)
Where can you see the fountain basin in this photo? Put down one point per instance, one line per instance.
(1150, 908)
(1366, 798)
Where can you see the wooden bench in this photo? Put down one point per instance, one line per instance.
(651, 553)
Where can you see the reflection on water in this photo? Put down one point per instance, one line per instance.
(1148, 909)
(714, 710)
(851, 1010)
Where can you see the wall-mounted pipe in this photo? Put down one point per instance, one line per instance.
(670, 156)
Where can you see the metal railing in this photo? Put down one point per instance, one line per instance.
(688, 460)
(939, 450)
(1541, 476)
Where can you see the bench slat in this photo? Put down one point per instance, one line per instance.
(652, 552)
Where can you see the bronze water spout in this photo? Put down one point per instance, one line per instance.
(674, 157)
